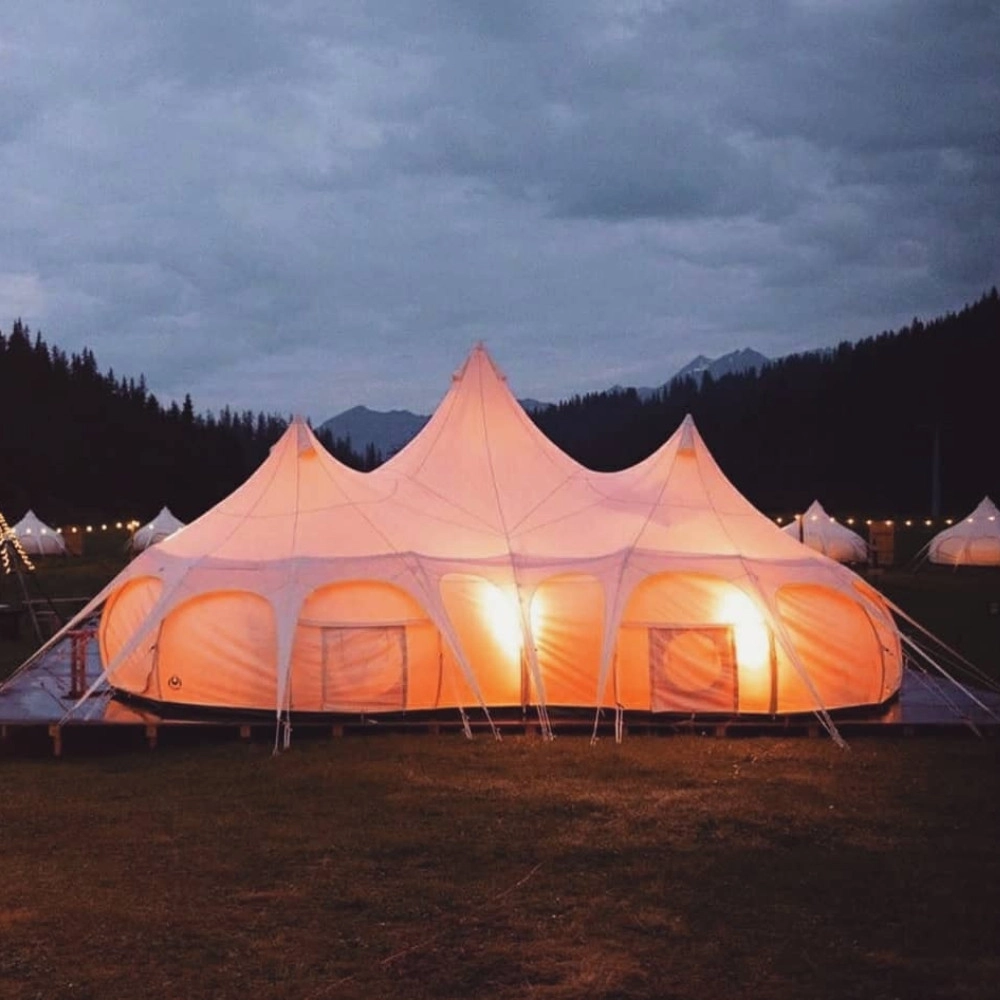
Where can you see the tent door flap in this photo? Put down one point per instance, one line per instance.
(364, 669)
(693, 669)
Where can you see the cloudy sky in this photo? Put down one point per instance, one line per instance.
(302, 205)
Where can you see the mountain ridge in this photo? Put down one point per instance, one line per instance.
(389, 430)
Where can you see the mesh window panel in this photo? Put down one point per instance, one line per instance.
(693, 670)
(364, 669)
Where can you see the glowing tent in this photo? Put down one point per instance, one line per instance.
(825, 534)
(483, 566)
(162, 526)
(37, 538)
(974, 541)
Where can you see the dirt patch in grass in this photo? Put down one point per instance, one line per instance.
(434, 867)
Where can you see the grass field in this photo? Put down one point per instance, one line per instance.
(433, 867)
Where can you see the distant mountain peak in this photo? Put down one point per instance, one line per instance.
(734, 363)
(386, 431)
(389, 430)
(535, 405)
(358, 411)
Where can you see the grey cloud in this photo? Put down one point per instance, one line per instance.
(879, 92)
(305, 205)
(652, 124)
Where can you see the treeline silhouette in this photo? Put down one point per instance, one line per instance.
(893, 425)
(890, 426)
(78, 444)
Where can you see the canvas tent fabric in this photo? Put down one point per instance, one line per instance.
(162, 526)
(481, 565)
(974, 541)
(817, 529)
(37, 538)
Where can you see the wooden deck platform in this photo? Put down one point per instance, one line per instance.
(36, 716)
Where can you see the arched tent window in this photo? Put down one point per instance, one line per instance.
(888, 637)
(487, 620)
(220, 649)
(837, 646)
(567, 616)
(691, 642)
(366, 646)
(125, 613)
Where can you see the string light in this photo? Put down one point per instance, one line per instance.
(7, 539)
(888, 522)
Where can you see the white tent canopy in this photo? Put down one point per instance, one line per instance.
(825, 534)
(482, 565)
(162, 526)
(37, 538)
(974, 541)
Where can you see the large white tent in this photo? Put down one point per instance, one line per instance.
(162, 526)
(826, 534)
(482, 565)
(37, 538)
(973, 541)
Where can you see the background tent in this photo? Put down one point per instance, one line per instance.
(162, 526)
(974, 541)
(825, 534)
(482, 565)
(37, 538)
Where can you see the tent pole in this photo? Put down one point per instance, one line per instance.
(936, 473)
(14, 555)
(28, 603)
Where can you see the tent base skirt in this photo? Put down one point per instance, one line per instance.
(35, 702)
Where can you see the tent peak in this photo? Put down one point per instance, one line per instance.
(305, 442)
(477, 358)
(986, 507)
(299, 429)
(686, 446)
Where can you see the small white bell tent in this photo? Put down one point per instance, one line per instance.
(974, 541)
(482, 565)
(37, 538)
(162, 526)
(825, 534)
